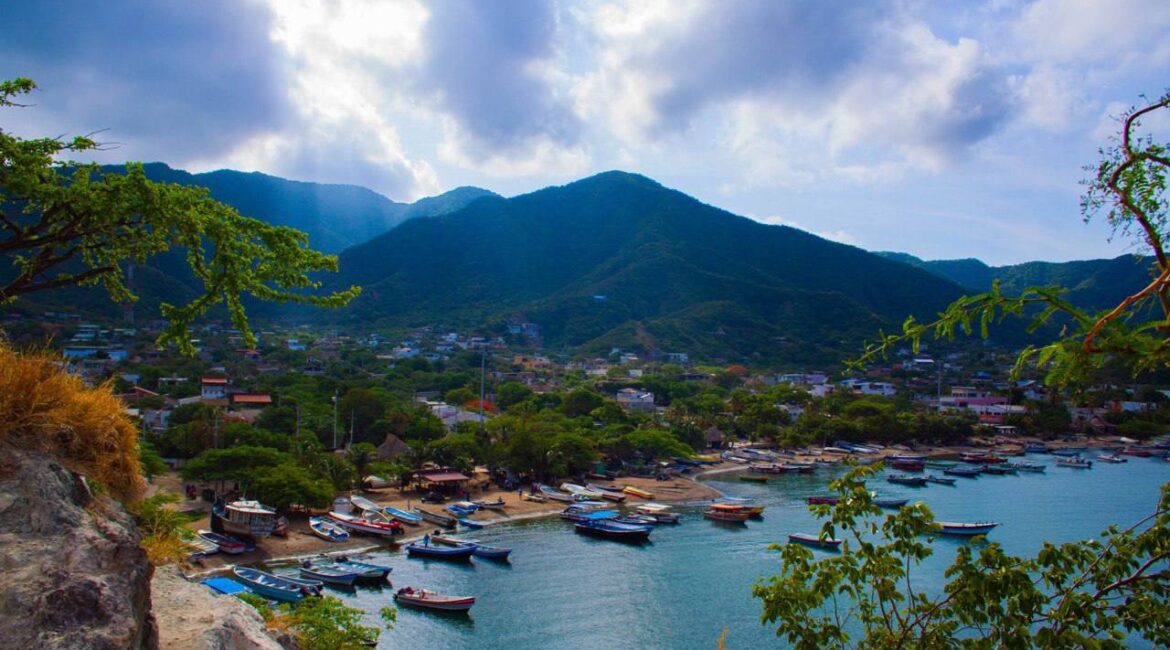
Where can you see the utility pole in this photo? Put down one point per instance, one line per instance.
(335, 393)
(482, 374)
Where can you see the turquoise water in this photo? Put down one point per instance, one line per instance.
(563, 590)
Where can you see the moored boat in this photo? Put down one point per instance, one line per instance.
(366, 572)
(225, 543)
(1036, 448)
(1112, 458)
(964, 529)
(890, 502)
(578, 511)
(754, 478)
(906, 465)
(436, 518)
(427, 599)
(939, 464)
(827, 543)
(415, 549)
(902, 479)
(970, 471)
(367, 526)
(333, 574)
(462, 509)
(930, 478)
(999, 470)
(1074, 461)
(498, 504)
(467, 522)
(270, 586)
(327, 530)
(658, 511)
(727, 512)
(822, 500)
(1027, 466)
(609, 529)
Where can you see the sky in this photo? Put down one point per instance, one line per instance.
(945, 129)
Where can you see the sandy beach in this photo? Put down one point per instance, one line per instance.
(301, 542)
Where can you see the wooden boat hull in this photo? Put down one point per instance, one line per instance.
(612, 530)
(940, 480)
(436, 518)
(328, 576)
(366, 572)
(327, 530)
(359, 525)
(638, 492)
(403, 517)
(815, 541)
(963, 529)
(456, 554)
(225, 543)
(427, 600)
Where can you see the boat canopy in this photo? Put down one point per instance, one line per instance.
(600, 514)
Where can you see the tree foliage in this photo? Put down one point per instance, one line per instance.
(67, 224)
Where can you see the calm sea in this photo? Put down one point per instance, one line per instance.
(563, 590)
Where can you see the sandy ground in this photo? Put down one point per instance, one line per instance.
(301, 542)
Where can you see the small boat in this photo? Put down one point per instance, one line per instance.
(999, 470)
(366, 572)
(890, 502)
(579, 511)
(225, 543)
(607, 494)
(225, 586)
(1026, 466)
(308, 586)
(491, 552)
(980, 458)
(827, 543)
(1112, 458)
(270, 586)
(580, 492)
(555, 494)
(755, 509)
(965, 472)
(402, 516)
(939, 464)
(727, 512)
(247, 518)
(771, 468)
(498, 504)
(333, 574)
(753, 478)
(1036, 448)
(1074, 461)
(470, 523)
(609, 529)
(535, 498)
(636, 520)
(459, 510)
(439, 552)
(902, 479)
(638, 492)
(930, 478)
(327, 530)
(907, 465)
(824, 500)
(427, 599)
(1134, 451)
(362, 503)
(367, 526)
(436, 518)
(202, 547)
(659, 512)
(964, 529)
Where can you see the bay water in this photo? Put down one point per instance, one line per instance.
(564, 590)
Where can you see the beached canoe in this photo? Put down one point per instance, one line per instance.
(327, 530)
(436, 518)
(498, 504)
(225, 543)
(367, 526)
(402, 516)
(638, 492)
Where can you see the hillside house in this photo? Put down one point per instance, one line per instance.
(635, 400)
(213, 388)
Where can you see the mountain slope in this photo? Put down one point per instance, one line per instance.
(671, 270)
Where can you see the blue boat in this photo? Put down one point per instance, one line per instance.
(366, 572)
(225, 586)
(270, 586)
(408, 518)
(470, 523)
(606, 528)
(964, 529)
(1036, 448)
(333, 574)
(326, 529)
(416, 549)
(462, 509)
(968, 471)
(491, 552)
(888, 502)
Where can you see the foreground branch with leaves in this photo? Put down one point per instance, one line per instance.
(1086, 594)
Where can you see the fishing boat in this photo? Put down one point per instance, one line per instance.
(999, 470)
(826, 543)
(498, 504)
(427, 599)
(555, 494)
(609, 529)
(580, 492)
(906, 465)
(972, 471)
(930, 478)
(1036, 448)
(402, 516)
(362, 503)
(902, 479)
(460, 509)
(755, 509)
(980, 458)
(327, 530)
(415, 549)
(467, 522)
(638, 492)
(535, 498)
(727, 512)
(225, 543)
(770, 468)
(607, 494)
(1027, 466)
(436, 518)
(248, 518)
(200, 547)
(367, 526)
(333, 574)
(1112, 458)
(1134, 451)
(1074, 461)
(823, 500)
(890, 502)
(939, 464)
(964, 529)
(366, 572)
(270, 586)
(659, 512)
(753, 478)
(308, 586)
(578, 511)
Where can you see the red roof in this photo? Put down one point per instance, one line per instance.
(214, 380)
(442, 476)
(251, 398)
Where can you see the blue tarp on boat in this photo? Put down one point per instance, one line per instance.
(225, 586)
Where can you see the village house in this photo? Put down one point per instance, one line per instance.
(635, 400)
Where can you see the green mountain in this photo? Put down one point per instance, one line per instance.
(1092, 284)
(619, 260)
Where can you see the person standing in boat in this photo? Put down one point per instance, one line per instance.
(427, 539)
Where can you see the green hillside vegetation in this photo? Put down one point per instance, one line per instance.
(619, 260)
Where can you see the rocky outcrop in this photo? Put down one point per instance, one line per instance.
(73, 573)
(190, 617)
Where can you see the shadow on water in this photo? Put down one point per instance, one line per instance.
(452, 619)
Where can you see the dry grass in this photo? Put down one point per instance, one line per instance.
(86, 429)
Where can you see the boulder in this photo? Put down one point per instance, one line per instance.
(191, 617)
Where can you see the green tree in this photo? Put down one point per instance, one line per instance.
(67, 224)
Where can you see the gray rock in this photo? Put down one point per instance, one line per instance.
(74, 575)
(191, 617)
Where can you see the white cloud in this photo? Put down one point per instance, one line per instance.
(839, 236)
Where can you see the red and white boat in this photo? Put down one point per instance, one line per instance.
(727, 512)
(417, 597)
(359, 525)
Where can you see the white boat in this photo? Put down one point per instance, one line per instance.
(327, 530)
(360, 525)
(660, 512)
(581, 492)
(248, 518)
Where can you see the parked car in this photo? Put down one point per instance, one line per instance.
(433, 497)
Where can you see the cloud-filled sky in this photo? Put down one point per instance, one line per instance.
(944, 129)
